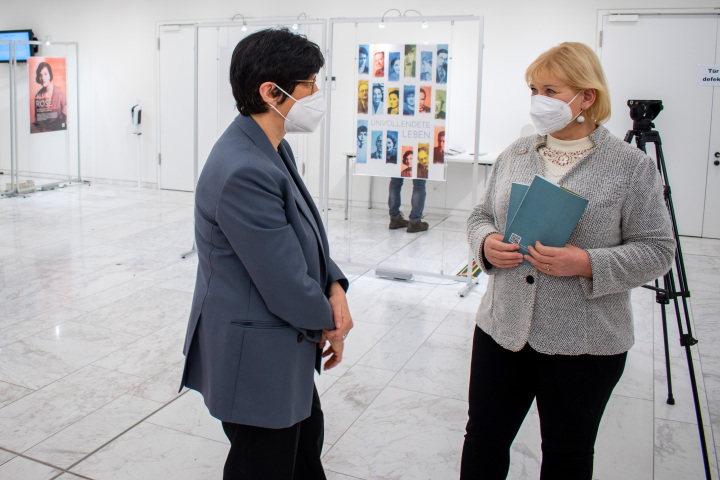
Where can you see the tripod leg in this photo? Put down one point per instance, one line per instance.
(687, 341)
(662, 300)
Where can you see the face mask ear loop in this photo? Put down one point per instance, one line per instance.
(278, 87)
(278, 111)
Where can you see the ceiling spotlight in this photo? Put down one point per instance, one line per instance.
(244, 25)
(295, 25)
(48, 39)
(382, 20)
(424, 24)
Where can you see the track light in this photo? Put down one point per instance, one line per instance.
(382, 20)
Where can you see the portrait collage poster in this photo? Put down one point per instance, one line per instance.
(48, 106)
(402, 91)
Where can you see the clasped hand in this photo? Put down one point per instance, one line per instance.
(343, 324)
(559, 262)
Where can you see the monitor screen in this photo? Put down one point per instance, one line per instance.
(22, 51)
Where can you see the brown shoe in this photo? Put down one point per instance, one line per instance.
(414, 227)
(398, 222)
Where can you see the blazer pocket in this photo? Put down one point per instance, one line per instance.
(260, 324)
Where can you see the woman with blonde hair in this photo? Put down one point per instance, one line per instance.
(557, 331)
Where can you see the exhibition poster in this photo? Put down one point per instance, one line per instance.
(401, 93)
(48, 108)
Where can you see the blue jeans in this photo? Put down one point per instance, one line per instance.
(417, 203)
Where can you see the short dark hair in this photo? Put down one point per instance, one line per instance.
(407, 154)
(362, 128)
(442, 50)
(271, 55)
(39, 69)
(363, 50)
(441, 134)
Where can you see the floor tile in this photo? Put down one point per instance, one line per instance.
(22, 468)
(403, 435)
(38, 416)
(189, 414)
(440, 367)
(82, 438)
(152, 452)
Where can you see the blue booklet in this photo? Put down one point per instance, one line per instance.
(542, 211)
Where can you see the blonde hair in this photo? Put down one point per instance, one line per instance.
(579, 67)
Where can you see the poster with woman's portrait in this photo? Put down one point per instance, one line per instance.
(401, 111)
(48, 106)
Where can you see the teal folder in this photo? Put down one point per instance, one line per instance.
(547, 213)
(517, 193)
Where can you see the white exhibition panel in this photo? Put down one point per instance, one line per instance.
(443, 249)
(5, 121)
(649, 56)
(176, 85)
(49, 148)
(215, 104)
(455, 193)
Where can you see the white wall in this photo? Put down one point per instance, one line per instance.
(118, 57)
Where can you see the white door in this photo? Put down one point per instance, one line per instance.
(655, 57)
(711, 218)
(176, 93)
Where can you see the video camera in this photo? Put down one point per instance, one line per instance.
(643, 112)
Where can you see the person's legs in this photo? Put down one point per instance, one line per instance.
(396, 218)
(312, 433)
(394, 196)
(418, 200)
(572, 394)
(501, 393)
(258, 453)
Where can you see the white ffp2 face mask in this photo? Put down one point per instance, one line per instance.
(305, 115)
(550, 114)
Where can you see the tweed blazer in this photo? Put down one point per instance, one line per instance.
(625, 230)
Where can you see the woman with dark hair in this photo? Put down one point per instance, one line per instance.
(50, 104)
(268, 297)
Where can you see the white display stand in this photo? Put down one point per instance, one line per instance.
(341, 122)
(213, 106)
(6, 143)
(55, 155)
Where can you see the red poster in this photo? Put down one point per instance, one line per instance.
(48, 108)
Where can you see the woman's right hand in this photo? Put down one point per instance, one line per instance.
(335, 349)
(501, 254)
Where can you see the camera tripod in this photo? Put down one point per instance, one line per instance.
(644, 133)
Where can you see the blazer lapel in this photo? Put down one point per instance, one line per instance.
(302, 196)
(304, 200)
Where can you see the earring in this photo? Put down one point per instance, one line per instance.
(580, 119)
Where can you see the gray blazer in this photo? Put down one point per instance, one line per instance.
(625, 230)
(263, 277)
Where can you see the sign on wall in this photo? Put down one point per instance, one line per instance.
(401, 97)
(48, 108)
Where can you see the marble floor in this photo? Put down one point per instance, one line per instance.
(94, 298)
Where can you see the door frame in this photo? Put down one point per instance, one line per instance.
(645, 11)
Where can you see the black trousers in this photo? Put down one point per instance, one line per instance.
(571, 392)
(291, 453)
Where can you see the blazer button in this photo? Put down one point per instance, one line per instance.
(530, 279)
(301, 337)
